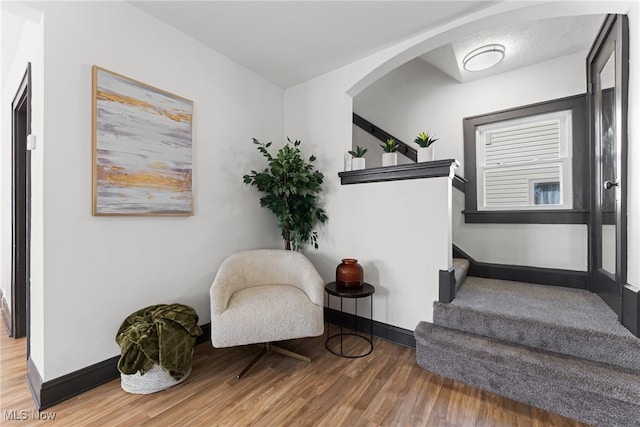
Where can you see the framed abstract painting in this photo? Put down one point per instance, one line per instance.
(142, 148)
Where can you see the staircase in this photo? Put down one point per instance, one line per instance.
(559, 349)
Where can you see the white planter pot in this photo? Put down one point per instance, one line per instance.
(389, 159)
(357, 163)
(347, 162)
(426, 154)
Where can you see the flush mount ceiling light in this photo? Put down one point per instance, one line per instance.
(483, 57)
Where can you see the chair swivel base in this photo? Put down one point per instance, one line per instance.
(270, 347)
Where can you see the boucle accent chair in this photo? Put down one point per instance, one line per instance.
(266, 295)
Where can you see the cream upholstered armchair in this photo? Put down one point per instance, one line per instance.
(266, 295)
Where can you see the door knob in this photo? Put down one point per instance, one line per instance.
(608, 185)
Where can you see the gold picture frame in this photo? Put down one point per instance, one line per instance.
(142, 148)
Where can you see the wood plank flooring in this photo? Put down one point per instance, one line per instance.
(386, 388)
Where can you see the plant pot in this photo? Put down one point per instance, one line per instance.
(389, 159)
(426, 154)
(357, 163)
(349, 274)
(348, 162)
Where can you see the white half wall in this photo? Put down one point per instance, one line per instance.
(97, 270)
(401, 256)
(417, 97)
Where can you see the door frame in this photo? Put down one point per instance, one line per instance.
(614, 30)
(21, 208)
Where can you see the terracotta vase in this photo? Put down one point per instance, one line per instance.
(349, 274)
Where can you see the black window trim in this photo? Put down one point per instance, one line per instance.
(580, 166)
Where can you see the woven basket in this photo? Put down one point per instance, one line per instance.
(155, 379)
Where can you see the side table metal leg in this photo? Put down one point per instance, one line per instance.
(371, 320)
(355, 323)
(326, 321)
(341, 334)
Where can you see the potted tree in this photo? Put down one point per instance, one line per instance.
(425, 152)
(358, 160)
(389, 152)
(290, 185)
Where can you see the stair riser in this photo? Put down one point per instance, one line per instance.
(525, 383)
(595, 347)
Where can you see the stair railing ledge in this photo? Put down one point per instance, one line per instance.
(434, 169)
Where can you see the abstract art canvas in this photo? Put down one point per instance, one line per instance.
(142, 148)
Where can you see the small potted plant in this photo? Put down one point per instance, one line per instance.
(425, 152)
(389, 155)
(358, 160)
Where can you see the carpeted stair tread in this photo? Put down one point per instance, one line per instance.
(590, 392)
(591, 345)
(563, 320)
(567, 306)
(619, 383)
(460, 270)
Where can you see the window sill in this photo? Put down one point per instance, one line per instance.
(555, 216)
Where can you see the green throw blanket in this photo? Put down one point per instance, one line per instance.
(160, 334)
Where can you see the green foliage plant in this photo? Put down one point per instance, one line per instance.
(290, 185)
(424, 139)
(358, 152)
(391, 146)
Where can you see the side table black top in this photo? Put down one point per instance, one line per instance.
(332, 288)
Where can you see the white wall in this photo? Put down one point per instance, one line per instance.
(418, 97)
(97, 270)
(22, 42)
(11, 31)
(633, 189)
(538, 245)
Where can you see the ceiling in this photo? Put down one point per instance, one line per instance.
(289, 42)
(525, 44)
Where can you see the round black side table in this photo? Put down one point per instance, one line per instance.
(366, 290)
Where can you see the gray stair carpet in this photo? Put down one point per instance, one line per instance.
(594, 393)
(460, 270)
(569, 321)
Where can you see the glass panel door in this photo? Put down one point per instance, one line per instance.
(608, 154)
(607, 79)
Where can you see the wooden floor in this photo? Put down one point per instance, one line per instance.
(386, 388)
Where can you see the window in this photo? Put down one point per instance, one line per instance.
(545, 193)
(525, 163)
(529, 164)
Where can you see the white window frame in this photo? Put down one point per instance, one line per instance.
(483, 132)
